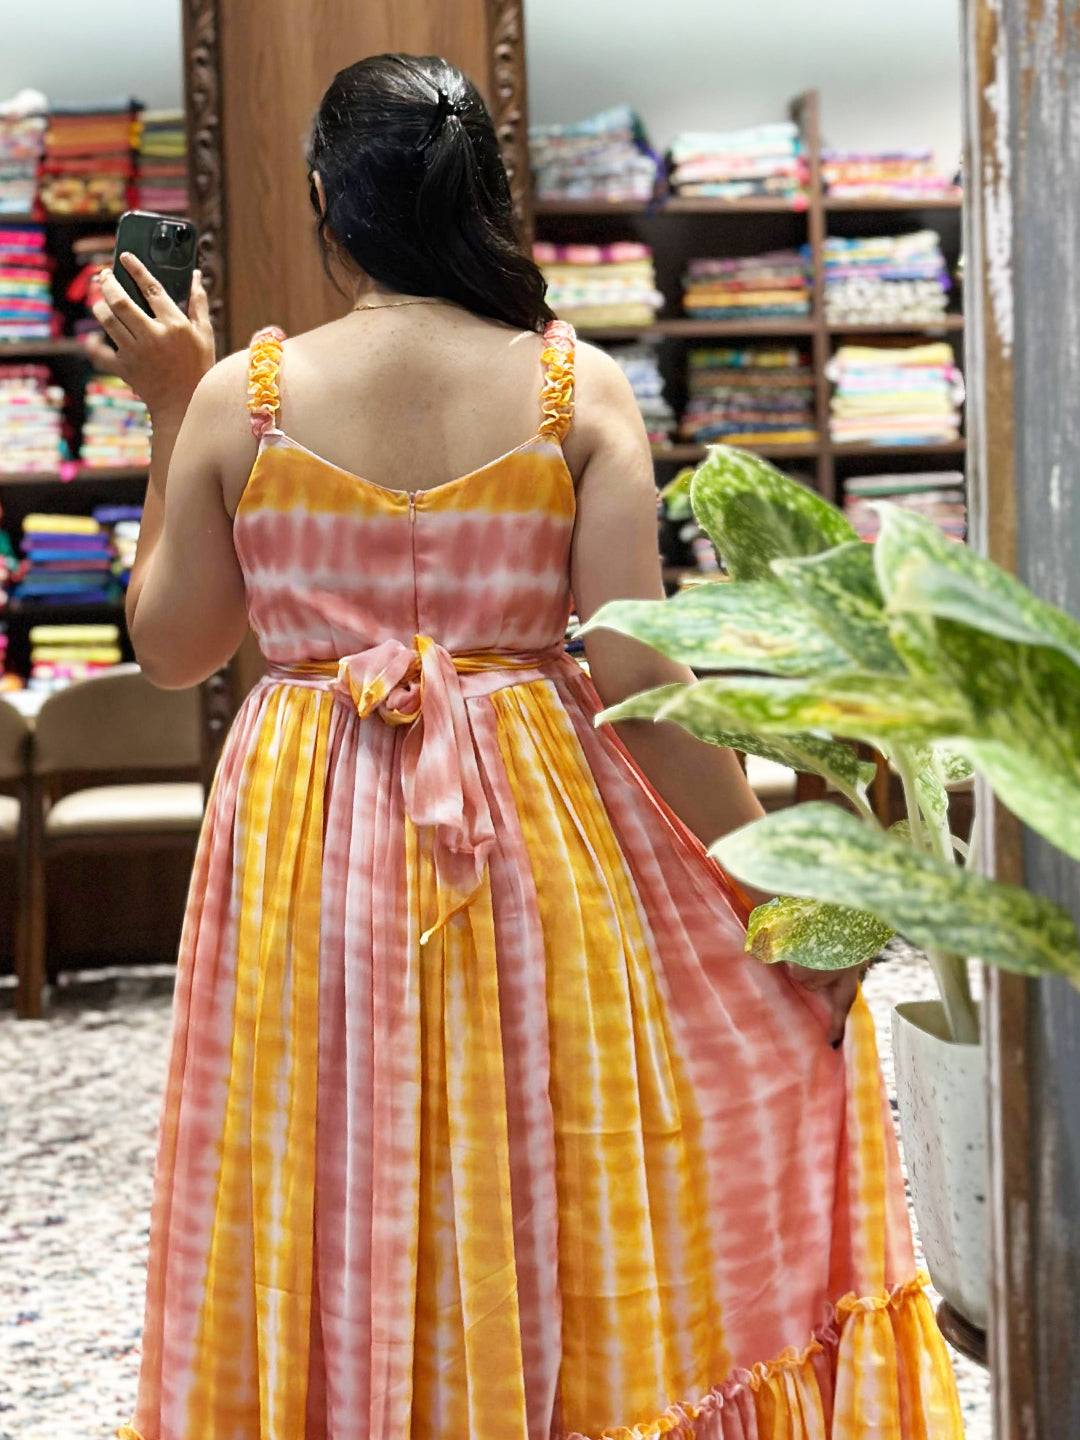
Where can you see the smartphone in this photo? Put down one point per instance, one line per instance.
(166, 245)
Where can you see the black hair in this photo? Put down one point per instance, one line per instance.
(416, 190)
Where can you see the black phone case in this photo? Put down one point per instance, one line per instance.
(133, 236)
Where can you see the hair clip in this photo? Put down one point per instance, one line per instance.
(445, 107)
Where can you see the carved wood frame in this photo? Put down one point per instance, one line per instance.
(202, 94)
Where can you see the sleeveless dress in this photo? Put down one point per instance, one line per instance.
(479, 1122)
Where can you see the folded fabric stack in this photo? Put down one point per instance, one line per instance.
(89, 163)
(886, 175)
(641, 366)
(8, 681)
(93, 253)
(886, 279)
(763, 163)
(123, 521)
(60, 654)
(607, 285)
(31, 421)
(753, 287)
(938, 496)
(605, 157)
(907, 396)
(8, 566)
(749, 395)
(163, 175)
(26, 303)
(22, 140)
(69, 559)
(117, 428)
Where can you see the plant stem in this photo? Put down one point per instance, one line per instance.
(954, 986)
(902, 763)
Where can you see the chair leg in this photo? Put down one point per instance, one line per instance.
(30, 958)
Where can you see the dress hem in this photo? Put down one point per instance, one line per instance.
(816, 1391)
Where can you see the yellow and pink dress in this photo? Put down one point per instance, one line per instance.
(480, 1124)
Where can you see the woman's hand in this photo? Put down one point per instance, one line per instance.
(162, 356)
(837, 988)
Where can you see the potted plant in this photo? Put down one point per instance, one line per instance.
(947, 666)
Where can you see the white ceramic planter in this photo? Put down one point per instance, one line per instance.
(941, 1092)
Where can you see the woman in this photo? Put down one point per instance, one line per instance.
(479, 1122)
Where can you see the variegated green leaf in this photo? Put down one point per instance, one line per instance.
(873, 708)
(820, 852)
(840, 589)
(733, 626)
(754, 514)
(922, 572)
(1023, 730)
(930, 789)
(954, 768)
(817, 936)
(676, 495)
(838, 764)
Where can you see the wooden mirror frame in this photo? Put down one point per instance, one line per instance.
(505, 89)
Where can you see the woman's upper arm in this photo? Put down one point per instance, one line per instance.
(189, 615)
(615, 551)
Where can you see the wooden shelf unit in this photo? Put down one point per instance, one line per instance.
(679, 229)
(24, 492)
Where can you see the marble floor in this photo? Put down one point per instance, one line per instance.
(78, 1114)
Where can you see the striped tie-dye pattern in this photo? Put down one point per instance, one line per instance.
(479, 1121)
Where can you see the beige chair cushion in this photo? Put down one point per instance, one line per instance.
(117, 721)
(127, 810)
(769, 781)
(9, 818)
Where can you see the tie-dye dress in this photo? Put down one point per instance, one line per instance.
(479, 1124)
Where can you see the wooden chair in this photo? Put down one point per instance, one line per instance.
(14, 784)
(116, 766)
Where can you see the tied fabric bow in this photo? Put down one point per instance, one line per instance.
(440, 778)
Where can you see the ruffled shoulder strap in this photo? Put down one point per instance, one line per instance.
(264, 369)
(557, 397)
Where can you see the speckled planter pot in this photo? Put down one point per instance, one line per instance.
(940, 1088)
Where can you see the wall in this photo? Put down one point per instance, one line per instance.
(889, 74)
(76, 52)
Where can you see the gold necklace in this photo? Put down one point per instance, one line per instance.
(400, 304)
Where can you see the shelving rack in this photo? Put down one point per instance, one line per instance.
(681, 229)
(24, 493)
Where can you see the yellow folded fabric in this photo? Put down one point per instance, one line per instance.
(61, 525)
(75, 655)
(74, 635)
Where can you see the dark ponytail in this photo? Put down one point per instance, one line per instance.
(416, 190)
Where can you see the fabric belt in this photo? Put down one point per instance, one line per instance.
(424, 686)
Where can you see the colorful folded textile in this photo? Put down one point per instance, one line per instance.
(754, 287)
(31, 421)
(641, 366)
(22, 142)
(68, 559)
(765, 162)
(887, 279)
(162, 184)
(907, 395)
(605, 157)
(93, 253)
(26, 302)
(601, 285)
(938, 496)
(123, 522)
(89, 165)
(886, 175)
(60, 654)
(116, 432)
(749, 395)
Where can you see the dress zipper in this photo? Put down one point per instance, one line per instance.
(412, 550)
